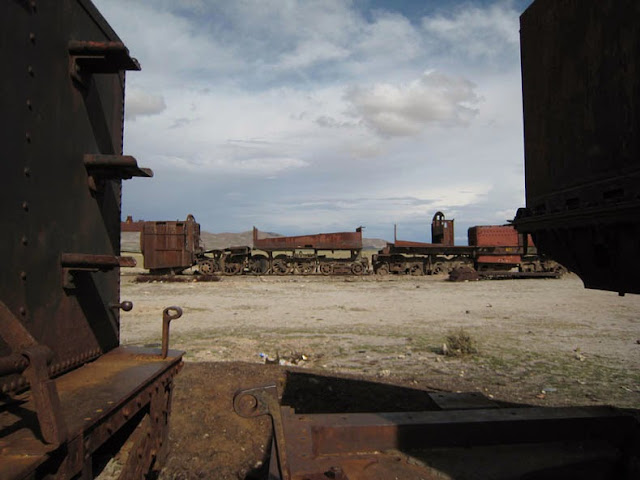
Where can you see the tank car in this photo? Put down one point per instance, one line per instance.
(71, 395)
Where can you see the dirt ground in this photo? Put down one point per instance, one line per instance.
(375, 344)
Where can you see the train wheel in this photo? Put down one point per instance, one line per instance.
(438, 268)
(326, 268)
(305, 268)
(383, 269)
(207, 267)
(357, 269)
(233, 269)
(258, 266)
(280, 267)
(416, 270)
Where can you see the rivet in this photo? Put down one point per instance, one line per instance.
(28, 137)
(23, 311)
(25, 206)
(32, 37)
(24, 240)
(29, 104)
(23, 275)
(27, 172)
(30, 70)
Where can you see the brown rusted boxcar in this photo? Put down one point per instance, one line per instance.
(70, 394)
(170, 246)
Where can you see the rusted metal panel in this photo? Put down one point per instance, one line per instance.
(581, 98)
(452, 439)
(442, 230)
(170, 245)
(95, 401)
(320, 241)
(442, 234)
(66, 385)
(49, 207)
(493, 235)
(129, 225)
(496, 236)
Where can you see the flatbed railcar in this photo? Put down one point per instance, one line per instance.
(493, 248)
(71, 395)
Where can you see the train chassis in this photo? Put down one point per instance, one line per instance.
(241, 260)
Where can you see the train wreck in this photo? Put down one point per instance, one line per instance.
(73, 398)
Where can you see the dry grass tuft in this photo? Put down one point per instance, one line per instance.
(458, 343)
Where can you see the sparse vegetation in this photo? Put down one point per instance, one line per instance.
(458, 343)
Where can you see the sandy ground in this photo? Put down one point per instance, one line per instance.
(540, 341)
(553, 335)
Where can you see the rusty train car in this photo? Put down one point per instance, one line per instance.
(71, 395)
(170, 247)
(581, 99)
(173, 246)
(493, 248)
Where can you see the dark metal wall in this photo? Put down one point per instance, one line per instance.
(581, 94)
(60, 220)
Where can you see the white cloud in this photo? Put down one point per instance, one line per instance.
(311, 52)
(305, 101)
(139, 103)
(399, 110)
(475, 32)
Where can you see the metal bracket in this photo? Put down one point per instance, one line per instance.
(89, 57)
(114, 167)
(71, 262)
(255, 402)
(43, 389)
(45, 395)
(168, 314)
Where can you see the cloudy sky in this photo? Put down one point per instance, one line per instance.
(307, 116)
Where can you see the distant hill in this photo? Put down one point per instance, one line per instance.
(130, 241)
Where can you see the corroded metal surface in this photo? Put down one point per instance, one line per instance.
(461, 436)
(494, 247)
(50, 208)
(129, 225)
(320, 241)
(96, 400)
(67, 387)
(581, 98)
(170, 246)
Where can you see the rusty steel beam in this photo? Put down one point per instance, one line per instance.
(320, 241)
(433, 444)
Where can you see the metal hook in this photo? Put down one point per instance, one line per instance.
(168, 314)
